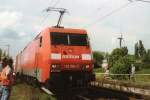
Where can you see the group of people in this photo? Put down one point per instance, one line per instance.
(6, 75)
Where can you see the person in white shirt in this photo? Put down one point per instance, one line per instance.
(132, 72)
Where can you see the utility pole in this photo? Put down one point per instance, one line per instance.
(8, 47)
(60, 10)
(120, 40)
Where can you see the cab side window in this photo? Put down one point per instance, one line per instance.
(41, 39)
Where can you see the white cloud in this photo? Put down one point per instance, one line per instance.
(9, 19)
(21, 34)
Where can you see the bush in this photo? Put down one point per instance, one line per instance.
(142, 65)
(121, 66)
(117, 54)
(99, 70)
(98, 57)
(138, 66)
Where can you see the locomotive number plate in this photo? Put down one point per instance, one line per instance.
(71, 66)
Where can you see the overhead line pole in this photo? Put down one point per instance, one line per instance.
(120, 40)
(8, 47)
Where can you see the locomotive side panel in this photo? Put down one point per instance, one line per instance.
(28, 59)
(44, 56)
(17, 64)
(34, 59)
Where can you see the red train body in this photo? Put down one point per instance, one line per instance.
(57, 55)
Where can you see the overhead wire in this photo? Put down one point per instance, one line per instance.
(101, 7)
(140, 0)
(144, 1)
(56, 3)
(43, 19)
(109, 14)
(51, 1)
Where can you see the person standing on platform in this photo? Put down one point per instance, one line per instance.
(1, 67)
(5, 80)
(132, 72)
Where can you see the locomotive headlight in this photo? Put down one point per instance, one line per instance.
(86, 57)
(56, 56)
(55, 68)
(87, 66)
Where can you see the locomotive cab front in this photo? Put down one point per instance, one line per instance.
(71, 57)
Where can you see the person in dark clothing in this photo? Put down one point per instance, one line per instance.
(1, 65)
(10, 63)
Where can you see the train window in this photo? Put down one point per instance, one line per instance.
(69, 39)
(59, 38)
(40, 41)
(78, 39)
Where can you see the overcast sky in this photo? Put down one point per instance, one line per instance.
(21, 20)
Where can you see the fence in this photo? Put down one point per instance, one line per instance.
(135, 79)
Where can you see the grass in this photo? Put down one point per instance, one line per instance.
(141, 81)
(99, 70)
(27, 92)
(143, 78)
(144, 71)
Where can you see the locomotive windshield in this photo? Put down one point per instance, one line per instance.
(69, 39)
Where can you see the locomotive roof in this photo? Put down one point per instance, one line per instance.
(67, 30)
(60, 29)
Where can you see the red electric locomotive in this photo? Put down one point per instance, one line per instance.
(58, 56)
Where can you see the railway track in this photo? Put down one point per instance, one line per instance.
(92, 92)
(98, 94)
(95, 93)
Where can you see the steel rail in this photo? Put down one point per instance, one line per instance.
(124, 74)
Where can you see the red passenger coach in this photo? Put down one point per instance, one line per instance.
(57, 57)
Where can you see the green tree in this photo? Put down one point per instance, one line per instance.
(1, 53)
(4, 54)
(147, 58)
(136, 51)
(98, 57)
(125, 51)
(117, 52)
(120, 51)
(142, 51)
(148, 55)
